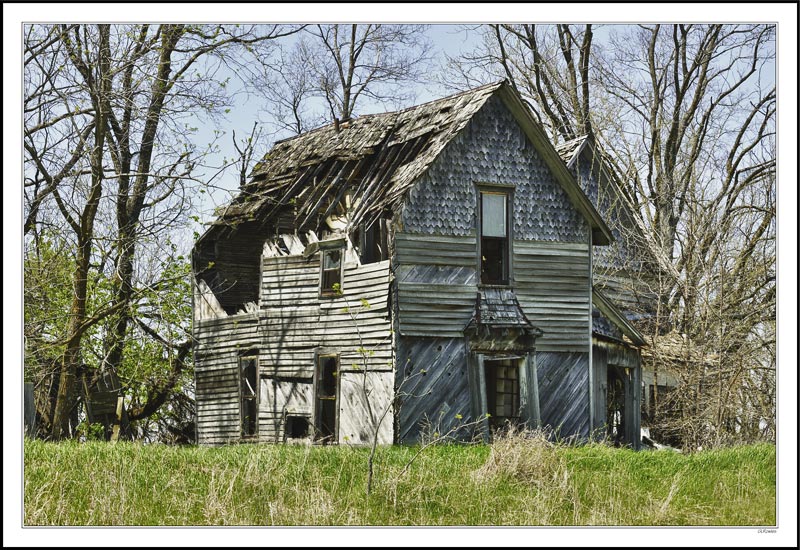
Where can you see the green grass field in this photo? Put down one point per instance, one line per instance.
(512, 482)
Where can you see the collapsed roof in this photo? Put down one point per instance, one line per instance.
(348, 173)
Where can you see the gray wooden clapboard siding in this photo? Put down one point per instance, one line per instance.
(564, 392)
(436, 284)
(552, 284)
(297, 322)
(279, 397)
(437, 395)
(427, 249)
(216, 361)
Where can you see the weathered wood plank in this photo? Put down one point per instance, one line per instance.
(439, 394)
(442, 274)
(557, 247)
(359, 415)
(563, 391)
(435, 250)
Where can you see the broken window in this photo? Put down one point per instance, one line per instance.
(502, 391)
(372, 242)
(326, 409)
(248, 370)
(494, 237)
(331, 278)
(296, 426)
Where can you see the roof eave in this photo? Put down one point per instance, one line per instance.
(610, 311)
(601, 233)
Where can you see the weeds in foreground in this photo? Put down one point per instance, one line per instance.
(522, 478)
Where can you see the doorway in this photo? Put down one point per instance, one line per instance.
(248, 378)
(326, 409)
(502, 392)
(619, 405)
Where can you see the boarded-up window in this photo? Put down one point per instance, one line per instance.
(248, 369)
(331, 283)
(494, 238)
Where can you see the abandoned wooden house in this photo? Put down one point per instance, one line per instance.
(425, 269)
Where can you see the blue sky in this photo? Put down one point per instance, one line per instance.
(446, 40)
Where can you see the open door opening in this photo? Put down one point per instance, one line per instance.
(248, 371)
(326, 410)
(619, 406)
(502, 392)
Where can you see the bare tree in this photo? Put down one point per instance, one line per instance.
(108, 113)
(548, 64)
(333, 69)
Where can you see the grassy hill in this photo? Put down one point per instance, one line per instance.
(512, 482)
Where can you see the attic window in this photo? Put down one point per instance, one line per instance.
(331, 272)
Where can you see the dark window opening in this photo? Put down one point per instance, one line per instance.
(326, 398)
(331, 283)
(297, 427)
(372, 242)
(493, 261)
(494, 231)
(502, 392)
(248, 368)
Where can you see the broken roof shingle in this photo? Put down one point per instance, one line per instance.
(499, 308)
(312, 167)
(568, 151)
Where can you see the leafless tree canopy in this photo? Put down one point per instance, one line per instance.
(330, 70)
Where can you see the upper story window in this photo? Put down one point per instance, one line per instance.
(372, 242)
(494, 237)
(331, 272)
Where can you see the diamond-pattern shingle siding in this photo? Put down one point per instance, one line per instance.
(492, 149)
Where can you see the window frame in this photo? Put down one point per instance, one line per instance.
(498, 421)
(331, 292)
(508, 192)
